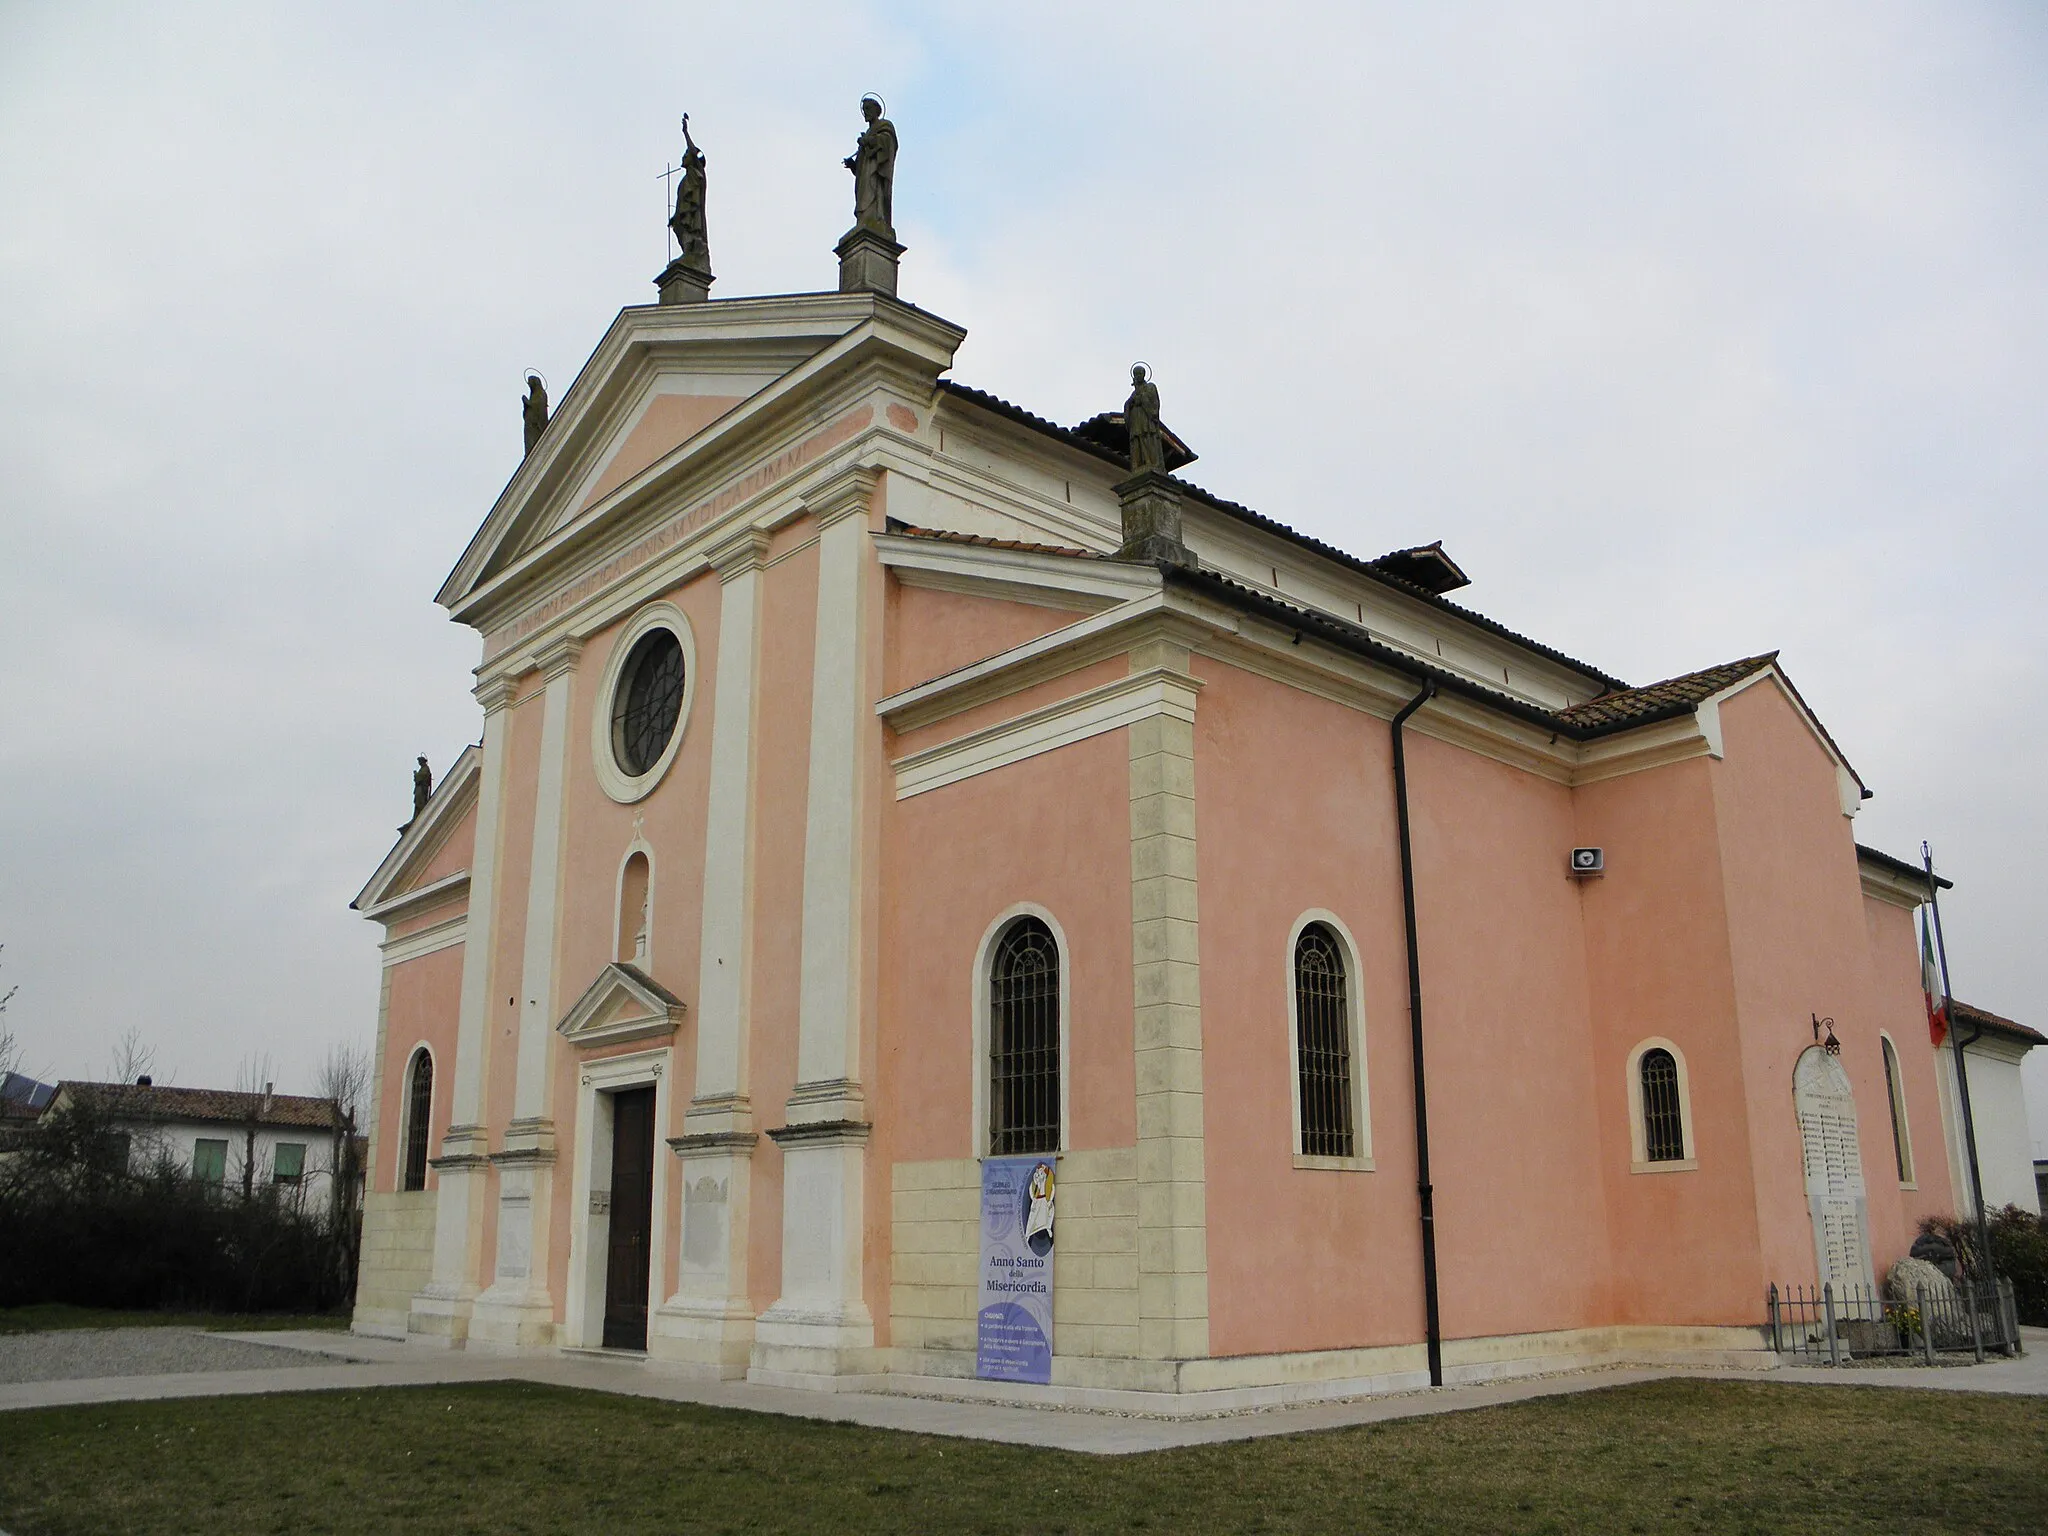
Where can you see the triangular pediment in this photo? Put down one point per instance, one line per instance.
(414, 873)
(674, 389)
(623, 1003)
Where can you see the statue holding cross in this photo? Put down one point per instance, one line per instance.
(688, 223)
(687, 279)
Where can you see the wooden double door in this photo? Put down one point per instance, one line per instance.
(628, 1260)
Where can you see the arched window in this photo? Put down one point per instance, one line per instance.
(1663, 1108)
(418, 1109)
(1895, 1093)
(1322, 1044)
(1024, 1040)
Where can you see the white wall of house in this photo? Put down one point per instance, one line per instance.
(180, 1140)
(1998, 1106)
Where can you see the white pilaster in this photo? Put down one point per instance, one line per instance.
(1173, 1236)
(517, 1308)
(820, 1327)
(709, 1322)
(462, 1169)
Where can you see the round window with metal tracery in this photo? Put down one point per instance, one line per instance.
(648, 701)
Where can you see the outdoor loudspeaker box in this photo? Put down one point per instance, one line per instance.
(1587, 862)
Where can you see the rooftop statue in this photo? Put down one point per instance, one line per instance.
(534, 410)
(1141, 416)
(422, 786)
(688, 223)
(873, 163)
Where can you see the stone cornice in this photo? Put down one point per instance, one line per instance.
(851, 333)
(451, 801)
(497, 690)
(1055, 581)
(410, 903)
(746, 549)
(1280, 653)
(1890, 887)
(822, 1133)
(741, 1143)
(849, 493)
(558, 657)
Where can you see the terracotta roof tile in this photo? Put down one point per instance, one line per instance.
(1673, 696)
(948, 536)
(1992, 1023)
(139, 1101)
(1371, 568)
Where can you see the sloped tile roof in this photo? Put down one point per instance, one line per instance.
(1992, 1023)
(982, 541)
(140, 1101)
(1869, 855)
(1675, 695)
(1331, 552)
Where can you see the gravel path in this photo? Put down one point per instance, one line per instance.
(81, 1354)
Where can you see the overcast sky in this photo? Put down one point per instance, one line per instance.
(1693, 330)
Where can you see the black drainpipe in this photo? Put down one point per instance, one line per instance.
(1432, 1318)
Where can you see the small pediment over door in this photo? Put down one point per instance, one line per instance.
(623, 1003)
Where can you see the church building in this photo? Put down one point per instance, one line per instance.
(880, 783)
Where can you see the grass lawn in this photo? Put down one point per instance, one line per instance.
(45, 1316)
(1667, 1456)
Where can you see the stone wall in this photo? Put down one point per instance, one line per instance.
(397, 1257)
(936, 1239)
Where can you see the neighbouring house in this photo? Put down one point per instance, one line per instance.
(1993, 1049)
(274, 1143)
(879, 782)
(22, 1101)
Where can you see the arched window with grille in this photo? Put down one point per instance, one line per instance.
(1663, 1118)
(419, 1104)
(1024, 1040)
(1322, 1045)
(1895, 1095)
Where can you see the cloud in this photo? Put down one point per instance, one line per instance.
(1695, 330)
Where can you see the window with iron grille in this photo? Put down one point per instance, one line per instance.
(1663, 1119)
(1322, 1042)
(1024, 1041)
(420, 1103)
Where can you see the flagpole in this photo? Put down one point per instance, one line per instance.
(1956, 1044)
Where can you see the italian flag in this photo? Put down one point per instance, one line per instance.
(1930, 983)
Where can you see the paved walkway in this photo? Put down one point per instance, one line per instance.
(330, 1362)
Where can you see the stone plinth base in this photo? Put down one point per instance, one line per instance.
(1151, 508)
(441, 1315)
(867, 262)
(512, 1319)
(705, 1338)
(680, 284)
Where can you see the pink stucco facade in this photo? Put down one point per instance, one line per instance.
(923, 698)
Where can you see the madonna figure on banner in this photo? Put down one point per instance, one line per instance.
(1038, 1201)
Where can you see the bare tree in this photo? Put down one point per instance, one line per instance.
(10, 1047)
(345, 1079)
(255, 1078)
(131, 1057)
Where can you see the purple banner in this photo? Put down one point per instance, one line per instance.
(1013, 1328)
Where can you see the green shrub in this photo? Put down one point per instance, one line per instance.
(2019, 1253)
(78, 1225)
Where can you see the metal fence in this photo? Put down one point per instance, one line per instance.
(1836, 1325)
